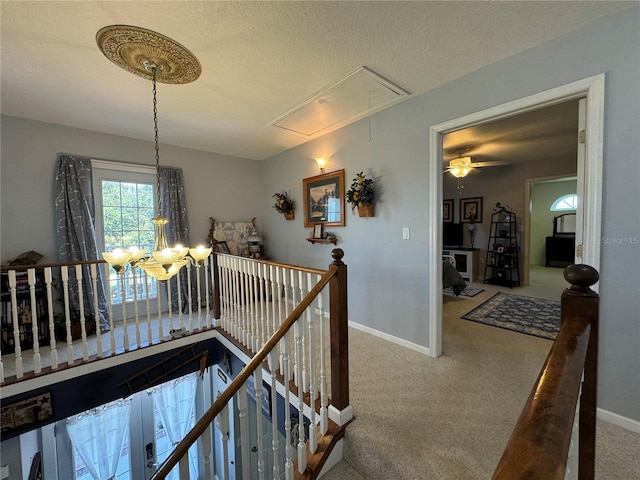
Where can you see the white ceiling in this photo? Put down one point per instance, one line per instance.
(259, 59)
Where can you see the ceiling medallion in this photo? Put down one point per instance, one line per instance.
(131, 48)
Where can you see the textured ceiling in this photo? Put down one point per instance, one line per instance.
(259, 59)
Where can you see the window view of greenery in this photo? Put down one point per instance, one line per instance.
(127, 211)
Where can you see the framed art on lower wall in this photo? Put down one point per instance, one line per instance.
(324, 199)
(447, 210)
(471, 210)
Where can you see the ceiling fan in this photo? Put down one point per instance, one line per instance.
(460, 167)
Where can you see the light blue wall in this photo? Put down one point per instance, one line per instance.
(216, 185)
(388, 287)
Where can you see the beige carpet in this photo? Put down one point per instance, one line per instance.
(450, 418)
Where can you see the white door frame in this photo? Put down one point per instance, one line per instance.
(593, 89)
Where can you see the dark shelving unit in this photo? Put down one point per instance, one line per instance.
(502, 263)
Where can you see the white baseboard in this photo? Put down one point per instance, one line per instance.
(390, 338)
(618, 420)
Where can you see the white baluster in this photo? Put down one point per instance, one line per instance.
(112, 335)
(278, 299)
(208, 321)
(313, 437)
(244, 431)
(189, 296)
(16, 326)
(205, 443)
(160, 320)
(31, 279)
(286, 362)
(246, 304)
(222, 422)
(287, 310)
(258, 384)
(199, 298)
(64, 273)
(168, 284)
(324, 397)
(83, 324)
(135, 305)
(262, 271)
(147, 305)
(305, 344)
(295, 300)
(298, 331)
(255, 298)
(52, 327)
(124, 312)
(179, 289)
(237, 319)
(273, 364)
(96, 307)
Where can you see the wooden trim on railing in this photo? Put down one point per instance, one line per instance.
(199, 428)
(339, 333)
(539, 445)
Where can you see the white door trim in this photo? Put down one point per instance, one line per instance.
(593, 89)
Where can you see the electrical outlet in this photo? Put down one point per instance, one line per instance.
(405, 233)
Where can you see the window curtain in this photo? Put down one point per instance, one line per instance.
(175, 403)
(174, 208)
(98, 436)
(75, 229)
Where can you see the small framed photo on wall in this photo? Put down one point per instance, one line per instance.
(447, 211)
(471, 210)
(317, 230)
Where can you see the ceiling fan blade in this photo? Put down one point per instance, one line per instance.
(496, 163)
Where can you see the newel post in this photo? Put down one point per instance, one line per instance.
(580, 300)
(340, 410)
(216, 288)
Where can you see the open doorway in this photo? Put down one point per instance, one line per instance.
(589, 186)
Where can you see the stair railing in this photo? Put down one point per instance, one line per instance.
(249, 288)
(539, 447)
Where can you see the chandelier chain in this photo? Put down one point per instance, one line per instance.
(157, 146)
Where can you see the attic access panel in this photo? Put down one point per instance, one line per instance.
(351, 98)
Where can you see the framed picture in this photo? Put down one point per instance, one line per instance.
(324, 199)
(317, 230)
(471, 210)
(447, 211)
(221, 247)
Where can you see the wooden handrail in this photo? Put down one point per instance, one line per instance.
(199, 428)
(539, 445)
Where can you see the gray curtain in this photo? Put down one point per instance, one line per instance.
(75, 229)
(174, 207)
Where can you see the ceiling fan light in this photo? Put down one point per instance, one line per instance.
(460, 167)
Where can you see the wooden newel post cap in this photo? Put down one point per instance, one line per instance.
(581, 277)
(337, 254)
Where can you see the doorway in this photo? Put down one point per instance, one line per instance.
(589, 180)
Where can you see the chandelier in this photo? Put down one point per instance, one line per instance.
(157, 58)
(460, 167)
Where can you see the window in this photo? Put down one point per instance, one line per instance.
(564, 203)
(125, 201)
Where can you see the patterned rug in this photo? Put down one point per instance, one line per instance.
(533, 316)
(467, 292)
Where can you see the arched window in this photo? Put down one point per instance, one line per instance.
(565, 202)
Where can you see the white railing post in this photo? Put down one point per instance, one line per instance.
(16, 326)
(313, 437)
(83, 326)
(112, 335)
(305, 344)
(273, 363)
(199, 298)
(298, 331)
(64, 273)
(324, 397)
(244, 431)
(258, 384)
(96, 307)
(52, 327)
(145, 279)
(31, 278)
(286, 361)
(123, 294)
(135, 305)
(169, 306)
(189, 296)
(179, 291)
(160, 321)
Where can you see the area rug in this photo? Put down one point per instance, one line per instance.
(533, 316)
(467, 292)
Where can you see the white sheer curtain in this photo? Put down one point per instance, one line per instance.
(175, 402)
(98, 436)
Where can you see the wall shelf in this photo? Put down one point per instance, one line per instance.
(322, 240)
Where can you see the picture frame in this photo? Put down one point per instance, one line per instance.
(317, 230)
(323, 197)
(447, 210)
(221, 247)
(471, 210)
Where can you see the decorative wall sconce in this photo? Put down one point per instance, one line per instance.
(322, 163)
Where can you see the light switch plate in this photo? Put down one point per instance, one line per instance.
(405, 233)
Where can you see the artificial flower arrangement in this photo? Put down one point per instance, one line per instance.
(284, 204)
(362, 191)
